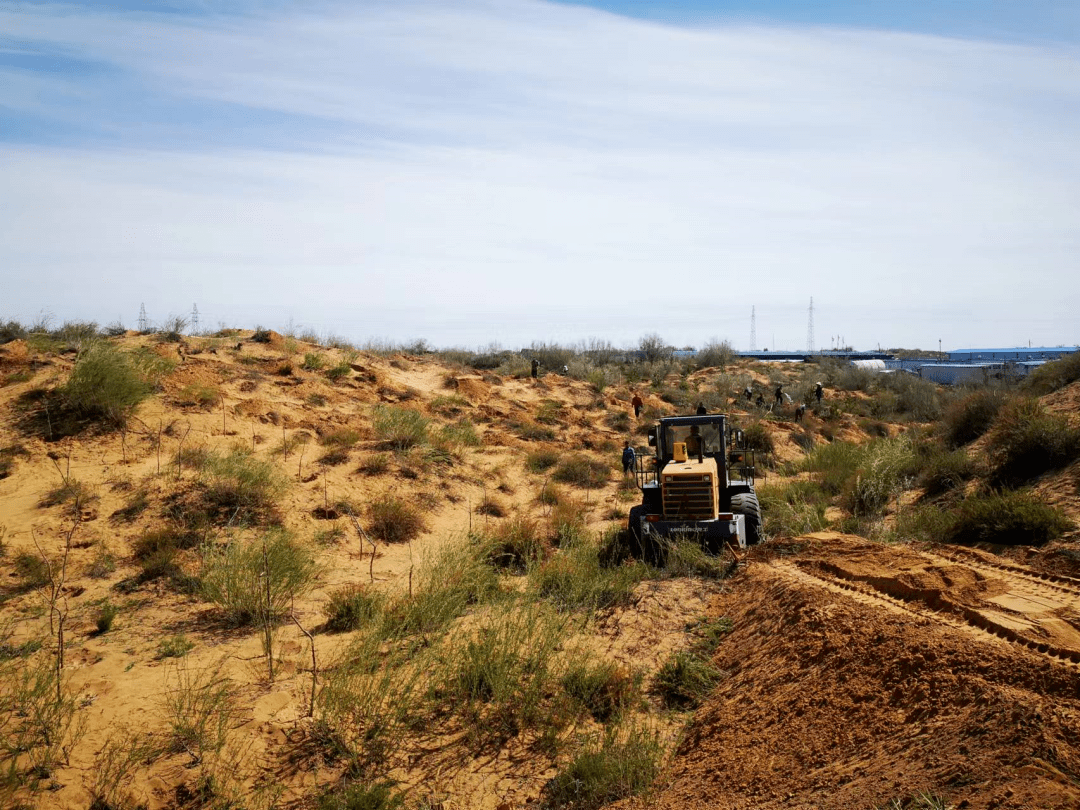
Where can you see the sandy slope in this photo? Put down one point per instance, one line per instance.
(856, 672)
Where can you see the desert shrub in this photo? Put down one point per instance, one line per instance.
(969, 418)
(461, 433)
(715, 354)
(448, 581)
(1026, 441)
(603, 689)
(261, 335)
(8, 455)
(106, 385)
(201, 709)
(622, 764)
(374, 464)
(497, 675)
(1008, 518)
(685, 679)
(339, 437)
(945, 471)
(540, 460)
(394, 520)
(135, 506)
(351, 607)
(11, 330)
(515, 545)
(757, 437)
(531, 431)
(174, 646)
(240, 486)
(334, 457)
(162, 539)
(574, 579)
(363, 796)
(31, 569)
(851, 378)
(924, 522)
(833, 465)
(888, 467)
(793, 509)
(1054, 375)
(368, 702)
(339, 370)
(70, 491)
(105, 617)
(582, 471)
(313, 361)
(261, 578)
(399, 428)
(39, 722)
(316, 399)
(491, 506)
(199, 395)
(449, 406)
(566, 523)
(914, 397)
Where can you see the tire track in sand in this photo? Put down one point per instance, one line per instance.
(929, 605)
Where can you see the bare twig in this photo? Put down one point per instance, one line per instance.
(314, 663)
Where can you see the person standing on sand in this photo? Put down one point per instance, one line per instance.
(819, 392)
(748, 393)
(760, 400)
(628, 459)
(638, 404)
(535, 368)
(780, 394)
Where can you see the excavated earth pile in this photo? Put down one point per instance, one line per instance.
(859, 674)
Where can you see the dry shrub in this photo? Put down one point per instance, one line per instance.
(394, 520)
(516, 545)
(1008, 518)
(582, 471)
(969, 418)
(1026, 441)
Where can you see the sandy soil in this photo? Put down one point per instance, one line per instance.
(856, 672)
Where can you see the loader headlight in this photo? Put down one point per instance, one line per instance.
(707, 479)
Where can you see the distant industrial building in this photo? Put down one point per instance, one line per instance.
(984, 355)
(981, 366)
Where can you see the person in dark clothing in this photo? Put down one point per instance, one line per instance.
(760, 400)
(535, 368)
(748, 393)
(701, 409)
(628, 459)
(800, 411)
(819, 392)
(780, 394)
(638, 404)
(694, 443)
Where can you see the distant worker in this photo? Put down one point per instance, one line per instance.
(748, 393)
(819, 392)
(701, 409)
(638, 405)
(628, 459)
(780, 394)
(760, 400)
(694, 445)
(535, 368)
(800, 411)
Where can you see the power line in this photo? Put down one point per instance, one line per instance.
(753, 328)
(810, 329)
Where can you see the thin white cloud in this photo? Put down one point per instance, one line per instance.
(498, 168)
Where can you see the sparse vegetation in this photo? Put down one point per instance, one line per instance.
(107, 384)
(623, 763)
(1009, 518)
(394, 520)
(582, 471)
(1026, 442)
(685, 679)
(351, 607)
(260, 578)
(399, 428)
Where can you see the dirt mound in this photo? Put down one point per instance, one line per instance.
(859, 674)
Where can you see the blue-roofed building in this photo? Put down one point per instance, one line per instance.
(1021, 353)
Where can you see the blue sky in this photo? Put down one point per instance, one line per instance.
(515, 170)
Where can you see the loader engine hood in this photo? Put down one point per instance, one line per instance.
(690, 489)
